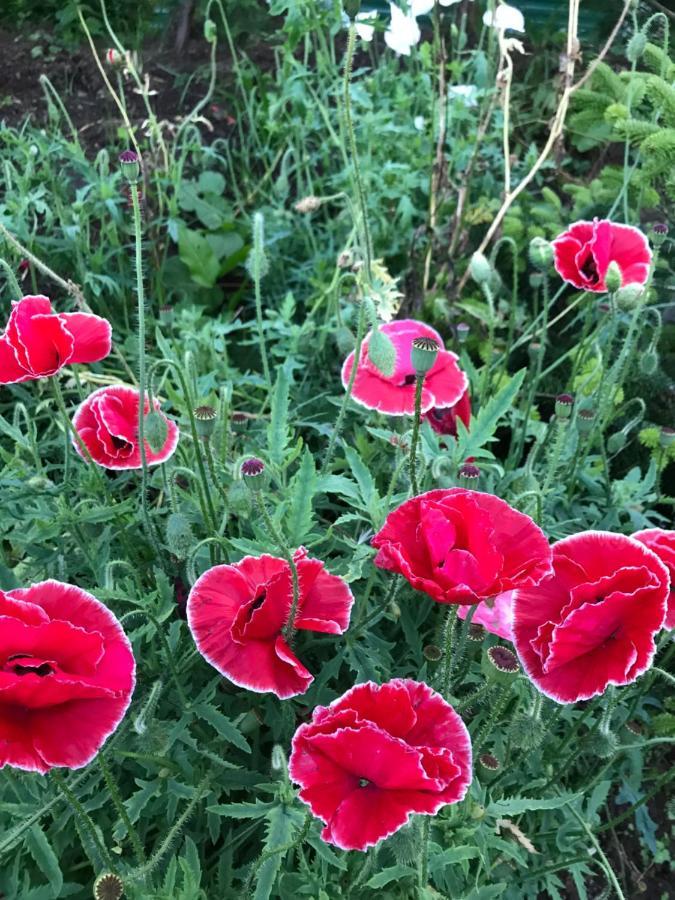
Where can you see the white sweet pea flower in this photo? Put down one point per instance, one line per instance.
(403, 32)
(505, 18)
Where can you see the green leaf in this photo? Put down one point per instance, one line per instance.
(302, 490)
(450, 857)
(281, 822)
(254, 810)
(278, 432)
(484, 425)
(487, 893)
(364, 479)
(197, 254)
(223, 726)
(392, 873)
(514, 806)
(45, 858)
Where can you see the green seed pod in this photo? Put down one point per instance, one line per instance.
(205, 421)
(131, 165)
(423, 354)
(585, 421)
(613, 277)
(108, 887)
(500, 664)
(239, 498)
(526, 732)
(667, 437)
(156, 430)
(480, 268)
(563, 406)
(432, 653)
(179, 537)
(636, 47)
(541, 254)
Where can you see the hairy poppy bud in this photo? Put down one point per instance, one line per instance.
(480, 269)
(649, 362)
(526, 732)
(345, 340)
(179, 537)
(352, 8)
(205, 421)
(279, 763)
(541, 254)
(156, 430)
(108, 887)
(381, 352)
(114, 58)
(616, 442)
(630, 296)
(210, 31)
(423, 354)
(131, 165)
(308, 204)
(239, 498)
(603, 744)
(636, 46)
(613, 277)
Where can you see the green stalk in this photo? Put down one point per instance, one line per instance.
(289, 627)
(448, 641)
(419, 385)
(113, 789)
(84, 818)
(423, 871)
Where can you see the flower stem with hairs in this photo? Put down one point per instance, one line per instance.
(85, 819)
(116, 798)
(419, 385)
(448, 641)
(289, 627)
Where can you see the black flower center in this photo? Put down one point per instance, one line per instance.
(363, 782)
(30, 667)
(589, 269)
(409, 379)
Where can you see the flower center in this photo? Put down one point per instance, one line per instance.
(408, 380)
(589, 269)
(29, 667)
(363, 782)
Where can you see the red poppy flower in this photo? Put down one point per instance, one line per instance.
(236, 614)
(444, 421)
(394, 395)
(583, 254)
(377, 755)
(496, 615)
(107, 423)
(592, 622)
(462, 546)
(66, 676)
(662, 543)
(38, 342)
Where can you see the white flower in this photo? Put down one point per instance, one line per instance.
(466, 92)
(421, 7)
(418, 122)
(365, 25)
(403, 32)
(505, 18)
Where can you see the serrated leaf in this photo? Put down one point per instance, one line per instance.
(302, 490)
(392, 873)
(450, 857)
(363, 477)
(254, 810)
(514, 806)
(484, 425)
(278, 433)
(45, 858)
(279, 833)
(225, 728)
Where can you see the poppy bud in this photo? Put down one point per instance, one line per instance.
(585, 421)
(649, 362)
(636, 47)
(205, 421)
(156, 430)
(381, 352)
(131, 166)
(480, 268)
(179, 537)
(210, 31)
(477, 811)
(239, 498)
(308, 204)
(667, 437)
(563, 406)
(534, 349)
(468, 474)
(616, 442)
(166, 315)
(630, 296)
(526, 732)
(659, 234)
(613, 277)
(108, 887)
(432, 652)
(541, 253)
(602, 744)
(405, 844)
(423, 354)
(352, 8)
(345, 340)
(114, 58)
(462, 331)
(278, 760)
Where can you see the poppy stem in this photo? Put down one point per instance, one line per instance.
(11, 279)
(448, 641)
(85, 819)
(289, 627)
(70, 428)
(116, 797)
(419, 385)
(461, 647)
(424, 854)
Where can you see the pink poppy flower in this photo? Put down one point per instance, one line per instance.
(662, 542)
(237, 613)
(496, 615)
(444, 421)
(38, 342)
(583, 254)
(376, 756)
(462, 546)
(394, 395)
(67, 674)
(107, 423)
(592, 622)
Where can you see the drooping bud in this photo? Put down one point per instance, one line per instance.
(585, 421)
(630, 296)
(541, 254)
(649, 361)
(108, 887)
(636, 46)
(205, 421)
(352, 8)
(563, 406)
(613, 277)
(114, 58)
(345, 340)
(179, 537)
(210, 31)
(526, 732)
(156, 430)
(308, 204)
(423, 354)
(603, 744)
(659, 234)
(381, 352)
(616, 442)
(480, 268)
(667, 437)
(131, 165)
(278, 760)
(462, 330)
